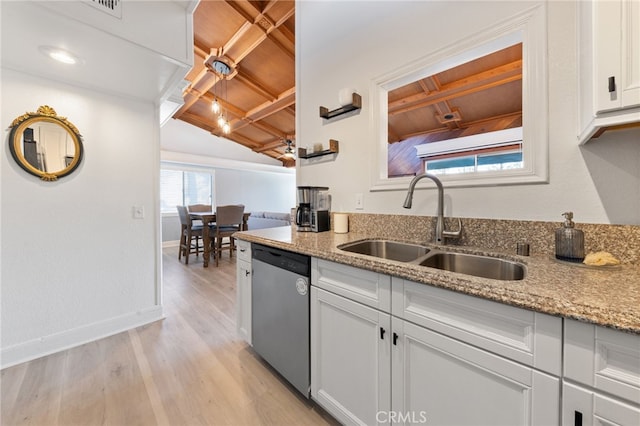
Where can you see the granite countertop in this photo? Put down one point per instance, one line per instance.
(606, 296)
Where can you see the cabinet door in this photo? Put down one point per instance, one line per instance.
(582, 407)
(243, 305)
(616, 47)
(439, 380)
(630, 53)
(350, 358)
(521, 335)
(603, 358)
(607, 16)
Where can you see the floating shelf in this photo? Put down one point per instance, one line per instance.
(333, 149)
(356, 103)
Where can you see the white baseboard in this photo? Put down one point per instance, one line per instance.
(174, 243)
(47, 345)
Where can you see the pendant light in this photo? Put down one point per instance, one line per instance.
(222, 71)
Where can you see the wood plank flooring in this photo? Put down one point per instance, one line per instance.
(189, 369)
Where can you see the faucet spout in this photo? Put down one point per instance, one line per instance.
(441, 233)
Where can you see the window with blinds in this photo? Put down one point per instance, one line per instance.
(183, 188)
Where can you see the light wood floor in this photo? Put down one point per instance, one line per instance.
(189, 369)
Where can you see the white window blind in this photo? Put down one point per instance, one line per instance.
(183, 188)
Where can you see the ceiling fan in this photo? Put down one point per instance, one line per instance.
(288, 151)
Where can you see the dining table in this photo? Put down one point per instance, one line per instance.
(209, 218)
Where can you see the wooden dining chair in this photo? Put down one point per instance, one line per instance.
(228, 221)
(199, 208)
(188, 232)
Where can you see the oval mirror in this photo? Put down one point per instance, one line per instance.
(45, 145)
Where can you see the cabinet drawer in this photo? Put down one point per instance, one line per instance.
(603, 358)
(244, 250)
(525, 336)
(367, 287)
(581, 406)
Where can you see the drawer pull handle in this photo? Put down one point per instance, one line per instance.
(395, 339)
(577, 418)
(382, 333)
(612, 84)
(247, 273)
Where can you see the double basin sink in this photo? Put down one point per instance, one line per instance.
(463, 263)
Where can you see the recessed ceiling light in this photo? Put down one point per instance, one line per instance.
(60, 55)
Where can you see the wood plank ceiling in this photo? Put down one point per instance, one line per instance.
(257, 40)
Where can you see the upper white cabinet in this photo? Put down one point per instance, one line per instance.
(609, 65)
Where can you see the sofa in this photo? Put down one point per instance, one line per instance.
(259, 220)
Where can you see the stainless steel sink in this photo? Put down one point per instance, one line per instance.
(478, 266)
(463, 263)
(386, 249)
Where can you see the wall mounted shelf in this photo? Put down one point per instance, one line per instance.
(356, 103)
(333, 149)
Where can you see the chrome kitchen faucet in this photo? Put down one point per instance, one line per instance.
(441, 233)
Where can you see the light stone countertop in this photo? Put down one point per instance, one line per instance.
(606, 296)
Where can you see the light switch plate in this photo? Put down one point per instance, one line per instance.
(359, 201)
(138, 212)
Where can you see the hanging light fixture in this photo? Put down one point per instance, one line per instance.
(215, 106)
(288, 151)
(222, 70)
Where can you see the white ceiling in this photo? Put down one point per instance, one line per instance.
(111, 64)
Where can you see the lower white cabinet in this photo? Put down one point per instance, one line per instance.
(350, 358)
(372, 367)
(584, 407)
(243, 290)
(441, 381)
(601, 380)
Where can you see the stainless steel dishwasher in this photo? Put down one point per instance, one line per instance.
(280, 312)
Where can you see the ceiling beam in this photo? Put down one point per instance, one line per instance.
(476, 83)
(509, 118)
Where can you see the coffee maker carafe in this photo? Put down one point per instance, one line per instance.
(312, 214)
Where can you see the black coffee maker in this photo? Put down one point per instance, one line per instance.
(312, 213)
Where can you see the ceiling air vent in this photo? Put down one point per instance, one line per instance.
(112, 7)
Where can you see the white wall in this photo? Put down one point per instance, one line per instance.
(75, 263)
(348, 44)
(242, 176)
(258, 191)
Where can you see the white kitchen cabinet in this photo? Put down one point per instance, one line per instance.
(609, 65)
(529, 337)
(584, 407)
(601, 375)
(441, 381)
(367, 287)
(437, 359)
(243, 290)
(350, 358)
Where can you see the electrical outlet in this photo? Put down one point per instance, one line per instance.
(359, 201)
(138, 212)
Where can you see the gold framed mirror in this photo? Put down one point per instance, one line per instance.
(45, 145)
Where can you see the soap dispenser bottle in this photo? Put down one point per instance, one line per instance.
(569, 241)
